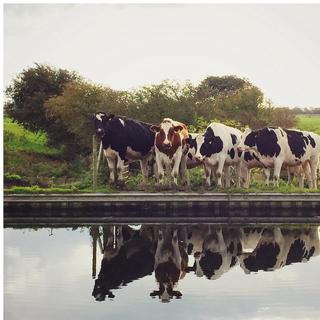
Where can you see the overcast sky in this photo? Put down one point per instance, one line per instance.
(277, 47)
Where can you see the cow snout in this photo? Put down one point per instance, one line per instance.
(167, 145)
(199, 158)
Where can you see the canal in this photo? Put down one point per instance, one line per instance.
(154, 270)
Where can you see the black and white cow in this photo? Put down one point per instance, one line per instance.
(126, 257)
(280, 247)
(124, 140)
(220, 251)
(217, 150)
(274, 147)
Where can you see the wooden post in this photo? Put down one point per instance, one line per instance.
(94, 232)
(99, 157)
(94, 162)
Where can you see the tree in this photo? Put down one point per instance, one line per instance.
(76, 105)
(28, 93)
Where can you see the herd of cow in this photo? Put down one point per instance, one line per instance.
(168, 149)
(207, 250)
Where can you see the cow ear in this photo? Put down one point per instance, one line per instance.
(155, 128)
(110, 116)
(178, 128)
(189, 140)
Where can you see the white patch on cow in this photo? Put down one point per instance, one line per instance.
(99, 116)
(121, 121)
(165, 126)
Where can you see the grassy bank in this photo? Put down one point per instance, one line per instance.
(31, 166)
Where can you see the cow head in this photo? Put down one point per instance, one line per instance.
(166, 133)
(248, 140)
(207, 144)
(100, 122)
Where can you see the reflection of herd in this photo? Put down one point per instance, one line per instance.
(132, 253)
(168, 149)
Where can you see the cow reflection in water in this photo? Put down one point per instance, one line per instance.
(130, 254)
(171, 261)
(126, 257)
(281, 247)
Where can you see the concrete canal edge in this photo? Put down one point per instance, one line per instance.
(162, 207)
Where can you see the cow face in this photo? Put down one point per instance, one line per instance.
(100, 122)
(208, 144)
(166, 134)
(247, 140)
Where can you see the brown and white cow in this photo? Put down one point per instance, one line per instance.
(171, 149)
(170, 263)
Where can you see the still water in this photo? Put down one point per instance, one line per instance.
(156, 271)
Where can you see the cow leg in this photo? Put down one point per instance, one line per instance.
(112, 168)
(160, 169)
(267, 176)
(159, 248)
(227, 176)
(307, 172)
(144, 170)
(276, 173)
(207, 170)
(120, 169)
(238, 173)
(314, 165)
(176, 250)
(183, 170)
(290, 179)
(175, 169)
(219, 170)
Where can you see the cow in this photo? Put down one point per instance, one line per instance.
(217, 150)
(281, 247)
(274, 147)
(220, 251)
(171, 149)
(126, 257)
(124, 140)
(171, 262)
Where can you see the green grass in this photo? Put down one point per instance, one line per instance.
(17, 138)
(309, 122)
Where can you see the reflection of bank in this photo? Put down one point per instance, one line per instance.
(132, 253)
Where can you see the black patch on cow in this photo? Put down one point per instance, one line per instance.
(231, 248)
(191, 142)
(264, 259)
(312, 142)
(231, 153)
(297, 142)
(190, 248)
(210, 262)
(212, 144)
(239, 153)
(234, 138)
(190, 156)
(233, 261)
(247, 156)
(298, 252)
(265, 140)
(134, 134)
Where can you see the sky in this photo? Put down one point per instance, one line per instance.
(124, 46)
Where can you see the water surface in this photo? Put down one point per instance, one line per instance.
(202, 272)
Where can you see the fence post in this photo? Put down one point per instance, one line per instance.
(94, 162)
